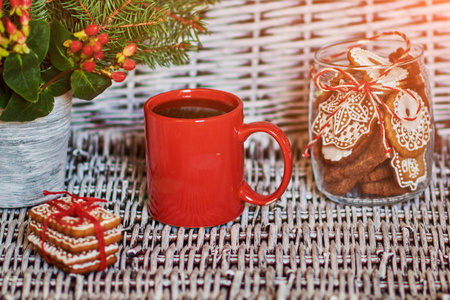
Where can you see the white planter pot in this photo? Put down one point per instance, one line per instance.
(33, 156)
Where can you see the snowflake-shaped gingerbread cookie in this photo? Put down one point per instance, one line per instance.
(352, 120)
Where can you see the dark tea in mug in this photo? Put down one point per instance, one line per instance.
(193, 109)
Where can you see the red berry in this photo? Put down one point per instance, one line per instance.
(88, 50)
(21, 37)
(76, 46)
(99, 55)
(129, 50)
(15, 3)
(91, 30)
(103, 38)
(26, 4)
(10, 26)
(24, 18)
(118, 76)
(97, 46)
(129, 64)
(89, 66)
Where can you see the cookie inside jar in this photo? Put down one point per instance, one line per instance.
(371, 122)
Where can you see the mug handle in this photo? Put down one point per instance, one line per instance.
(246, 193)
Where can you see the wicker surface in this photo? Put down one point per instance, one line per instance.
(303, 246)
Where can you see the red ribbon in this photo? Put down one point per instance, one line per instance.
(82, 211)
(353, 85)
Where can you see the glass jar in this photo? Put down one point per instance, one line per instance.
(371, 122)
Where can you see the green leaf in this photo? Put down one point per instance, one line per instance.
(39, 38)
(4, 98)
(87, 85)
(22, 74)
(59, 34)
(18, 109)
(60, 81)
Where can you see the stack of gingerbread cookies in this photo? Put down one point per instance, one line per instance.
(75, 237)
(351, 155)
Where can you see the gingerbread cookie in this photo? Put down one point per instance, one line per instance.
(72, 244)
(74, 234)
(409, 171)
(339, 179)
(75, 263)
(321, 96)
(361, 57)
(42, 212)
(413, 67)
(409, 138)
(352, 119)
(386, 187)
(394, 56)
(382, 171)
(418, 75)
(339, 188)
(333, 155)
(87, 267)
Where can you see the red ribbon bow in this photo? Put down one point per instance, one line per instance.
(82, 211)
(353, 85)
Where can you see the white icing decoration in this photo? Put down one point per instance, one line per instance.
(407, 170)
(393, 78)
(346, 127)
(333, 153)
(90, 263)
(364, 57)
(415, 134)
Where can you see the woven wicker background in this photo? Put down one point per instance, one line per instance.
(303, 246)
(261, 51)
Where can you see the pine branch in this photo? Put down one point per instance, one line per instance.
(86, 11)
(156, 26)
(109, 19)
(39, 10)
(136, 25)
(193, 23)
(165, 56)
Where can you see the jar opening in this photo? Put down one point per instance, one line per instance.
(335, 55)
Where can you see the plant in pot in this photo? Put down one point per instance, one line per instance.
(53, 50)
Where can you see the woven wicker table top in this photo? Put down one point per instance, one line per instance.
(303, 246)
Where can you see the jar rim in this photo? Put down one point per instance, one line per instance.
(416, 52)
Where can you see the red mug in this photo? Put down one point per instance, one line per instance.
(195, 157)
